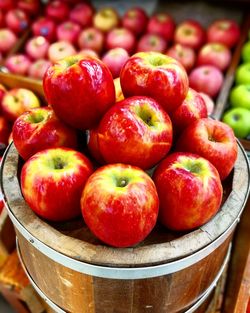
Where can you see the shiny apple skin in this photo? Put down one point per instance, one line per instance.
(81, 93)
(54, 194)
(31, 135)
(213, 140)
(188, 199)
(167, 83)
(125, 137)
(120, 216)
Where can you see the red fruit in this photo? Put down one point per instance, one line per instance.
(120, 38)
(57, 10)
(151, 42)
(162, 24)
(135, 20)
(44, 27)
(185, 55)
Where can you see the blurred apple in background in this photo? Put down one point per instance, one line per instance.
(209, 102)
(17, 20)
(215, 54)
(207, 79)
(82, 14)
(5, 130)
(240, 96)
(2, 20)
(242, 74)
(2, 93)
(106, 19)
(162, 24)
(68, 31)
(59, 50)
(18, 64)
(38, 68)
(151, 42)
(88, 52)
(57, 10)
(239, 119)
(185, 55)
(31, 7)
(37, 47)
(45, 27)
(120, 38)
(224, 31)
(7, 40)
(115, 59)
(190, 33)
(245, 52)
(136, 20)
(6, 5)
(91, 38)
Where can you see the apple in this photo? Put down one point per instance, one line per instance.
(18, 64)
(185, 55)
(5, 130)
(245, 52)
(225, 31)
(214, 141)
(18, 100)
(155, 75)
(115, 59)
(239, 120)
(191, 109)
(91, 38)
(106, 19)
(88, 52)
(37, 47)
(6, 5)
(209, 102)
(2, 20)
(162, 24)
(39, 129)
(207, 79)
(242, 74)
(190, 33)
(44, 27)
(151, 42)
(38, 68)
(215, 54)
(125, 209)
(31, 7)
(135, 19)
(240, 96)
(118, 90)
(2, 93)
(68, 31)
(59, 50)
(55, 173)
(57, 10)
(7, 40)
(76, 93)
(17, 20)
(135, 131)
(189, 190)
(120, 38)
(82, 14)
(93, 146)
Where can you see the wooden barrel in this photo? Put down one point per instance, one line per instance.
(167, 272)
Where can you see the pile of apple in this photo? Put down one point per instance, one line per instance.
(238, 113)
(152, 156)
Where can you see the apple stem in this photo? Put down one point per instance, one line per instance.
(122, 182)
(58, 163)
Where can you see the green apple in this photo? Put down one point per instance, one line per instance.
(242, 75)
(245, 52)
(240, 96)
(239, 120)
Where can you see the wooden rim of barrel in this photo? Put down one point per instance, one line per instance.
(125, 263)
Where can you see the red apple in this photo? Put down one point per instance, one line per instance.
(115, 59)
(38, 68)
(119, 96)
(206, 78)
(135, 20)
(76, 93)
(212, 140)
(185, 55)
(6, 5)
(57, 10)
(18, 64)
(209, 102)
(44, 27)
(56, 173)
(121, 38)
(191, 109)
(1, 196)
(2, 93)
(91, 38)
(135, 131)
(17, 20)
(162, 24)
(155, 75)
(18, 100)
(106, 19)
(125, 209)
(189, 189)
(190, 33)
(224, 31)
(82, 14)
(93, 146)
(89, 53)
(31, 7)
(2, 20)
(39, 129)
(68, 31)
(7, 40)
(37, 47)
(215, 54)
(5, 130)
(59, 50)
(151, 42)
